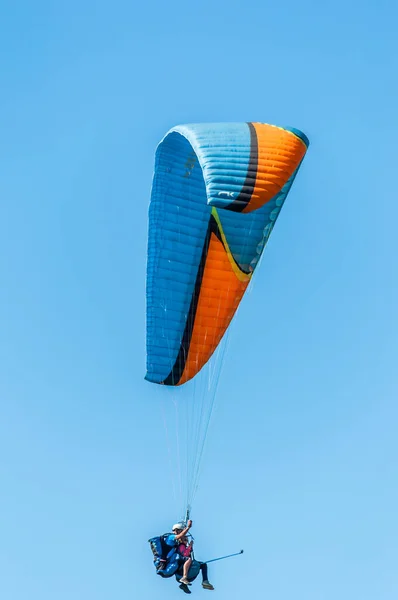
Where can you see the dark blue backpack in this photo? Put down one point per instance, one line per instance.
(165, 558)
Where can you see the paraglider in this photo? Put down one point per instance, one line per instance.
(173, 555)
(217, 192)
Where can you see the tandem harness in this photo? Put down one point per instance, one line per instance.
(165, 558)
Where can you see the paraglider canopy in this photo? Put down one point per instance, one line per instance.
(217, 192)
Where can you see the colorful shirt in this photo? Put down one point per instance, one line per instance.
(184, 550)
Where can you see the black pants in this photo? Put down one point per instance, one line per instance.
(203, 568)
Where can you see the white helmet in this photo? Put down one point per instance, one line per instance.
(180, 526)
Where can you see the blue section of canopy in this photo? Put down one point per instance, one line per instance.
(257, 227)
(178, 219)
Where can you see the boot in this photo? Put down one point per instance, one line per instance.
(207, 585)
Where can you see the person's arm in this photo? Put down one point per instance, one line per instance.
(179, 536)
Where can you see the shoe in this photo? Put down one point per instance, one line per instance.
(185, 588)
(184, 580)
(207, 585)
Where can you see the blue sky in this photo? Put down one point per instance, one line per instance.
(301, 466)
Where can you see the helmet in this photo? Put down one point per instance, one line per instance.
(180, 526)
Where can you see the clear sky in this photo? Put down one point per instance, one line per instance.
(301, 466)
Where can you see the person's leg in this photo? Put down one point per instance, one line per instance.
(203, 568)
(205, 583)
(187, 564)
